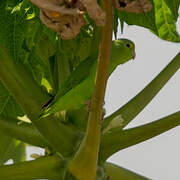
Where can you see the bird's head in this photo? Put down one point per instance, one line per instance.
(123, 50)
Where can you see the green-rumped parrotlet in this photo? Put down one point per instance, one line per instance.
(79, 86)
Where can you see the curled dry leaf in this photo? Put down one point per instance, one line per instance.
(95, 12)
(136, 6)
(66, 16)
(58, 6)
(67, 26)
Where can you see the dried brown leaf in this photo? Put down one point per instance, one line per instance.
(136, 6)
(66, 26)
(95, 12)
(66, 16)
(56, 7)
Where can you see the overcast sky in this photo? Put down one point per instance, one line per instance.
(159, 157)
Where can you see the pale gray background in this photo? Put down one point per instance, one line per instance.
(158, 158)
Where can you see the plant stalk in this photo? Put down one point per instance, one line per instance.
(118, 139)
(131, 109)
(115, 172)
(84, 165)
(31, 97)
(23, 131)
(50, 167)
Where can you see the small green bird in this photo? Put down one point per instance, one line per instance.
(79, 86)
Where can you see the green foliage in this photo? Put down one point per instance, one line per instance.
(173, 5)
(165, 21)
(78, 88)
(11, 149)
(40, 59)
(33, 44)
(8, 105)
(160, 20)
(146, 20)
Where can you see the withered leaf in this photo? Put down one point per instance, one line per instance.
(66, 16)
(136, 6)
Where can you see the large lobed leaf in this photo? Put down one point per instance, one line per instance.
(161, 20)
(11, 37)
(8, 106)
(30, 42)
(166, 19)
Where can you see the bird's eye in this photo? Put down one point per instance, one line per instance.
(128, 45)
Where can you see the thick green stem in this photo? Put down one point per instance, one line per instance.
(116, 173)
(51, 167)
(84, 165)
(118, 139)
(130, 110)
(31, 97)
(22, 131)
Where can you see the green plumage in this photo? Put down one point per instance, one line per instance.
(79, 86)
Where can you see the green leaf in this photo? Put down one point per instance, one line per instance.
(8, 105)
(165, 21)
(115, 26)
(32, 43)
(31, 97)
(174, 6)
(20, 31)
(45, 44)
(78, 49)
(5, 143)
(11, 149)
(17, 152)
(160, 19)
(22, 131)
(146, 20)
(13, 27)
(78, 118)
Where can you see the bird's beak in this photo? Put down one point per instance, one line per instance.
(134, 55)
